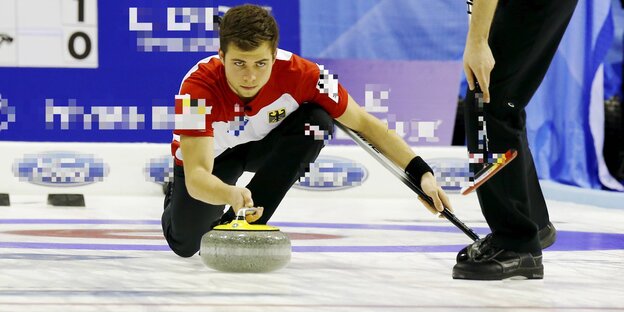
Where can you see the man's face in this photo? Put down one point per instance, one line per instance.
(247, 71)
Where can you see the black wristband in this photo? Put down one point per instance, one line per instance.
(416, 168)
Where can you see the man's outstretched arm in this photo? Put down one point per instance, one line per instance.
(389, 143)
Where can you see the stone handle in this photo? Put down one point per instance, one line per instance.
(240, 215)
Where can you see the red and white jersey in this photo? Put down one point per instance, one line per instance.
(224, 116)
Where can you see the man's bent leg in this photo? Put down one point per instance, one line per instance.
(186, 219)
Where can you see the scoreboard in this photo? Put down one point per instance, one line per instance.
(49, 33)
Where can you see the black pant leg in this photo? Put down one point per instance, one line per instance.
(292, 153)
(524, 38)
(187, 219)
(284, 156)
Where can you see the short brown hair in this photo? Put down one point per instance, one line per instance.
(247, 26)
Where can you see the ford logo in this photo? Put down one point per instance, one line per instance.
(60, 169)
(159, 170)
(330, 173)
(451, 173)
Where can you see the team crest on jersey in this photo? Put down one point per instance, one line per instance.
(277, 115)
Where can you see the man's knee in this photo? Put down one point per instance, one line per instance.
(318, 126)
(181, 246)
(319, 121)
(185, 251)
(185, 247)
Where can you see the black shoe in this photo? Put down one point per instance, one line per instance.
(547, 237)
(488, 262)
(165, 188)
(168, 190)
(462, 255)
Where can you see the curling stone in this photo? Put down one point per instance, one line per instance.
(242, 247)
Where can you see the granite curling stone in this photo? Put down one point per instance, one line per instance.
(243, 247)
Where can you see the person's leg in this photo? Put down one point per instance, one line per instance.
(185, 219)
(284, 156)
(524, 38)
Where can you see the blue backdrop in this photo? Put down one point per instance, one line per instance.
(126, 77)
(565, 118)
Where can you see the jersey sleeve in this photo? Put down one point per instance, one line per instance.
(322, 87)
(193, 109)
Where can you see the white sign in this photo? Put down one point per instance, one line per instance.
(48, 33)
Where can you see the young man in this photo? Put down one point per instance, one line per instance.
(270, 111)
(523, 39)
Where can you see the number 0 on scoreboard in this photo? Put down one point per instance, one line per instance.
(48, 33)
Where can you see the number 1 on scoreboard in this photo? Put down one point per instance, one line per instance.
(81, 10)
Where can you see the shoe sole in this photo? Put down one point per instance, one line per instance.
(527, 273)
